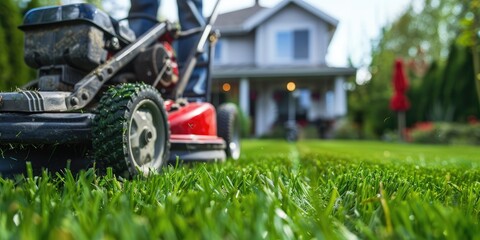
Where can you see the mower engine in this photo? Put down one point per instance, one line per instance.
(65, 43)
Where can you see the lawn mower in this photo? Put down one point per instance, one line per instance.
(106, 98)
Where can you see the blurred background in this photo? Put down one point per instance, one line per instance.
(325, 66)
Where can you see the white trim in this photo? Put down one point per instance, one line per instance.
(266, 112)
(261, 17)
(340, 97)
(244, 94)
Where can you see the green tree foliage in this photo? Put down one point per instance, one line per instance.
(422, 33)
(424, 96)
(458, 90)
(32, 4)
(4, 64)
(446, 92)
(13, 71)
(97, 3)
(469, 38)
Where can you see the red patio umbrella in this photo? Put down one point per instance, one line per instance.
(399, 101)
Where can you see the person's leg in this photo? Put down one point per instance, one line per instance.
(188, 20)
(142, 7)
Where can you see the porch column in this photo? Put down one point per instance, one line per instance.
(244, 95)
(340, 101)
(265, 112)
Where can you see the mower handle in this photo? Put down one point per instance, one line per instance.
(187, 70)
(86, 89)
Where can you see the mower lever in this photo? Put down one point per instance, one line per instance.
(190, 32)
(86, 89)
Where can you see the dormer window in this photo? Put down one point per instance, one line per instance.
(293, 45)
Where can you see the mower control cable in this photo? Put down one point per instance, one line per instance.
(86, 89)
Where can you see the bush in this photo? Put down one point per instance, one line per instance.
(245, 124)
(345, 129)
(446, 133)
(278, 131)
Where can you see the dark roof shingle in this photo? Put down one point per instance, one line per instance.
(235, 19)
(245, 20)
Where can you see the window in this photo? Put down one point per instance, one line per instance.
(293, 45)
(218, 51)
(284, 45)
(300, 41)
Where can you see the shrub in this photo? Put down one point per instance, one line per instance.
(345, 129)
(446, 133)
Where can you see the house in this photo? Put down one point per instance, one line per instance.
(272, 62)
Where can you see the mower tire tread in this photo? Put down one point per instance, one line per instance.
(228, 127)
(111, 124)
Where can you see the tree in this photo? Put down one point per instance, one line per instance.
(447, 92)
(14, 71)
(423, 95)
(4, 63)
(458, 90)
(31, 5)
(469, 38)
(426, 34)
(97, 3)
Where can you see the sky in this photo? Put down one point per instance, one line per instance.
(360, 22)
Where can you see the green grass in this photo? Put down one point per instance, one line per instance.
(312, 189)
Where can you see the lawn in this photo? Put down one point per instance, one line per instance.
(277, 190)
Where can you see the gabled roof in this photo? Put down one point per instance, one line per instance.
(236, 19)
(245, 20)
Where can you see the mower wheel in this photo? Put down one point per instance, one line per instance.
(228, 123)
(130, 131)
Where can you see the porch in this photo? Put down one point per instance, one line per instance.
(314, 94)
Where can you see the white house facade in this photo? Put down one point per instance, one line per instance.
(262, 50)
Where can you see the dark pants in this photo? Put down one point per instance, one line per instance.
(188, 20)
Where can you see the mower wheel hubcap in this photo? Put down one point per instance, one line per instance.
(147, 139)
